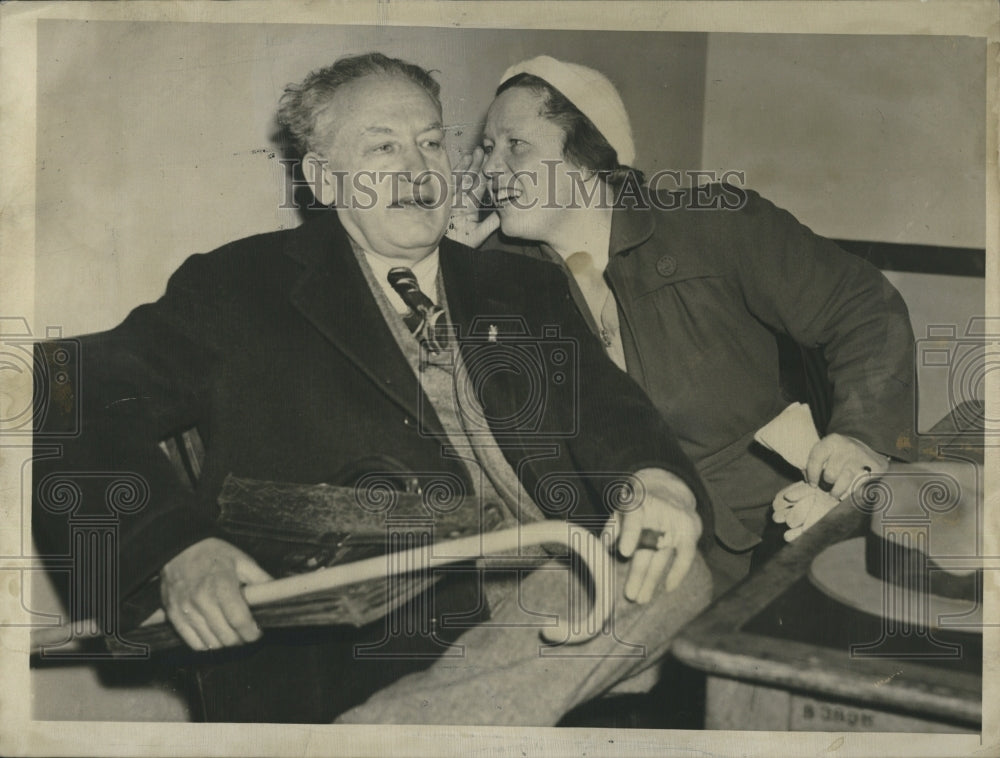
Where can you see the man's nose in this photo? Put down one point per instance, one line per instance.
(415, 163)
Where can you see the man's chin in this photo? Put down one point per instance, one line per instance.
(419, 246)
(420, 228)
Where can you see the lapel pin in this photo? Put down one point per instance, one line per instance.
(492, 335)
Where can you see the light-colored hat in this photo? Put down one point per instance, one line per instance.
(590, 91)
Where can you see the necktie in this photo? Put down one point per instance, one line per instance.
(424, 318)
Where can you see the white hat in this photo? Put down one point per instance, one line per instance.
(590, 91)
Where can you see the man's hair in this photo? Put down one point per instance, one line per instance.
(303, 103)
(583, 143)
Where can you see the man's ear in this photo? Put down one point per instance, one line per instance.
(317, 172)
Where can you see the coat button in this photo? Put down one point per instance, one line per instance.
(406, 421)
(666, 266)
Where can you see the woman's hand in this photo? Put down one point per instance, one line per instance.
(799, 506)
(659, 536)
(840, 461)
(469, 188)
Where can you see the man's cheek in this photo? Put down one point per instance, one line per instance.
(366, 192)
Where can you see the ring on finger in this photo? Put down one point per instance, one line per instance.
(651, 539)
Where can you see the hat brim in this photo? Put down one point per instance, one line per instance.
(839, 572)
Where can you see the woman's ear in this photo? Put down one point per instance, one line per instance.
(585, 173)
(317, 172)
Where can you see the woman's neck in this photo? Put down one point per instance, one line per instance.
(586, 230)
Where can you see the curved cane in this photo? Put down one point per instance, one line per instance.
(591, 551)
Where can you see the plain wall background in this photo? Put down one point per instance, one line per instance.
(155, 141)
(866, 138)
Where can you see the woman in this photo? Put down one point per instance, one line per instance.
(692, 291)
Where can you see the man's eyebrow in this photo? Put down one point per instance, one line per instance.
(436, 125)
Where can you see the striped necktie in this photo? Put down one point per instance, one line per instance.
(424, 319)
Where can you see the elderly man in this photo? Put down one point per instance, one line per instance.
(294, 355)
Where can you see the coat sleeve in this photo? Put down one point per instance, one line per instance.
(98, 458)
(805, 286)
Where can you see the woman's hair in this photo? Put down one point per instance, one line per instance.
(302, 103)
(583, 143)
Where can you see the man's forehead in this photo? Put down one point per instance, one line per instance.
(380, 105)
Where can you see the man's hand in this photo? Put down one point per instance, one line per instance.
(668, 508)
(470, 185)
(839, 461)
(200, 591)
(799, 506)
